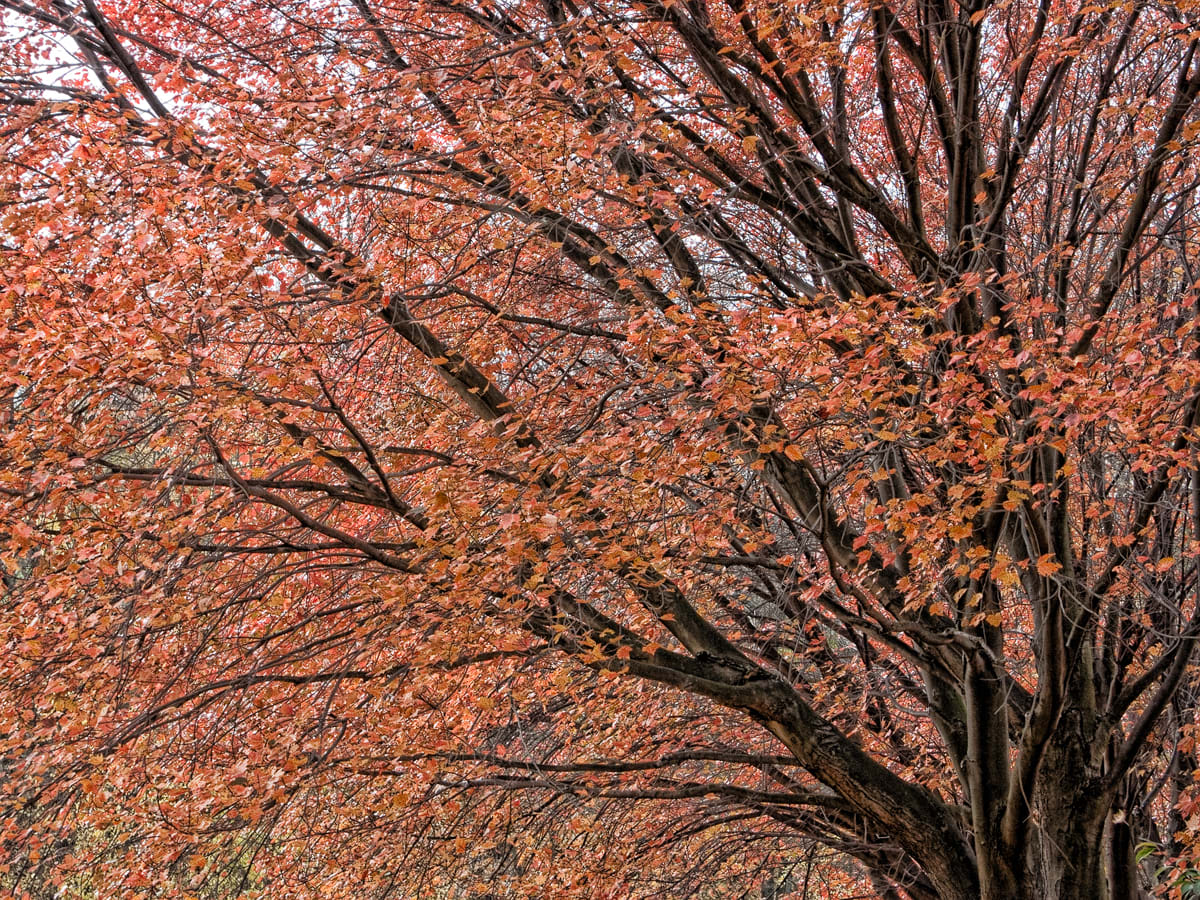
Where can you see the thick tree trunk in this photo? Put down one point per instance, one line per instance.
(1076, 845)
(1073, 855)
(1067, 855)
(1070, 862)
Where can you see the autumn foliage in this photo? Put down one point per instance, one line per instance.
(658, 448)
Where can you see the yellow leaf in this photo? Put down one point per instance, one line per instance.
(1047, 565)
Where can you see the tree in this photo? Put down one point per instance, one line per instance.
(621, 449)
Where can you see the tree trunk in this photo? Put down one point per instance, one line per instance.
(1073, 854)
(1069, 862)
(1077, 846)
